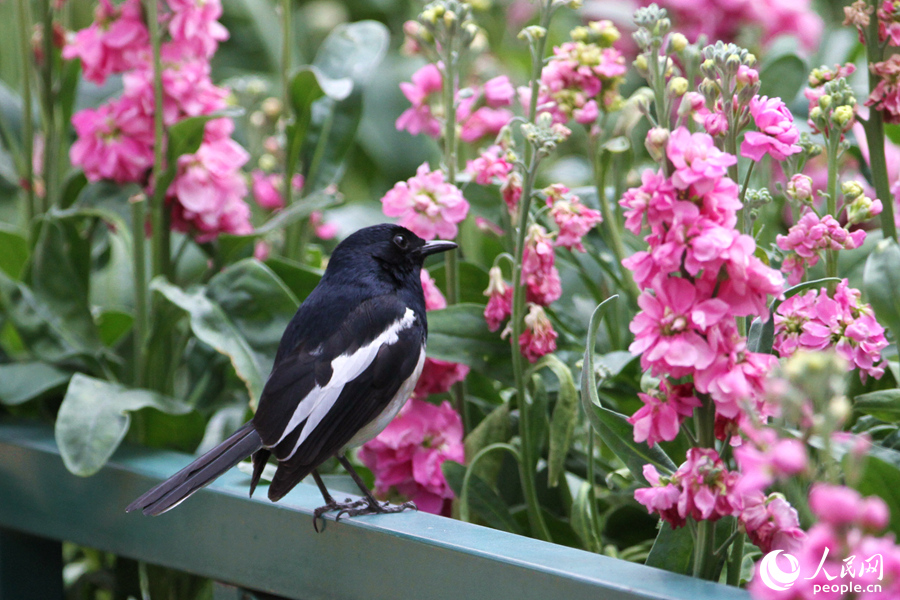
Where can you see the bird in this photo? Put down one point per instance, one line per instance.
(346, 364)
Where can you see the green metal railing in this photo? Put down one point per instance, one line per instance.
(253, 544)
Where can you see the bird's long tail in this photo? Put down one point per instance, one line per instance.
(171, 492)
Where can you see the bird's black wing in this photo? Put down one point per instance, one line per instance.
(317, 400)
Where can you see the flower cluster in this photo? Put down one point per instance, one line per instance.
(480, 111)
(723, 20)
(583, 76)
(843, 543)
(815, 321)
(437, 376)
(427, 204)
(697, 275)
(777, 135)
(406, 457)
(116, 140)
(496, 165)
(809, 238)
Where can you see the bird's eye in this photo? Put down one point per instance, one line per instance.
(401, 241)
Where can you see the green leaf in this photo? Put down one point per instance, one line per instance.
(24, 381)
(459, 334)
(13, 251)
(881, 477)
(612, 427)
(494, 428)
(300, 279)
(672, 550)
(761, 336)
(883, 404)
(353, 50)
(113, 325)
(563, 419)
(783, 77)
(94, 417)
(881, 283)
(185, 136)
(477, 496)
(258, 303)
(582, 519)
(72, 187)
(213, 327)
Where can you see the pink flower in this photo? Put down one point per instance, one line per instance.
(265, 189)
(499, 305)
(115, 142)
(419, 118)
(511, 191)
(889, 22)
(539, 274)
(113, 43)
(539, 338)
(697, 161)
(438, 376)
(764, 458)
(485, 121)
(777, 135)
(195, 24)
(574, 220)
(841, 506)
(499, 91)
(771, 522)
(661, 497)
(492, 164)
(810, 237)
(406, 457)
(324, 230)
(207, 195)
(427, 204)
(886, 95)
(663, 412)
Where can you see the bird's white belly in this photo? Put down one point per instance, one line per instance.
(377, 425)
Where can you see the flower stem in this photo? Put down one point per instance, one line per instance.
(49, 102)
(292, 233)
(736, 560)
(27, 116)
(704, 546)
(832, 149)
(612, 227)
(874, 127)
(160, 259)
(141, 320)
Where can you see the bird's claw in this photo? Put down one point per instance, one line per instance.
(348, 504)
(358, 508)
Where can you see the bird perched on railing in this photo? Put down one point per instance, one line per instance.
(346, 364)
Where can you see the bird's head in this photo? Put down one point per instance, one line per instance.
(395, 249)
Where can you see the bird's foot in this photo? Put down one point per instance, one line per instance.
(366, 507)
(332, 505)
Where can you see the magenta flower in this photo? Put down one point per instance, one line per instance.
(419, 118)
(573, 219)
(114, 43)
(195, 23)
(811, 236)
(499, 305)
(539, 338)
(777, 135)
(886, 95)
(499, 91)
(484, 121)
(427, 204)
(490, 166)
(406, 457)
(661, 497)
(771, 522)
(539, 274)
(663, 412)
(699, 165)
(267, 189)
(765, 458)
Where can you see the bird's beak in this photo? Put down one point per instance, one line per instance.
(435, 246)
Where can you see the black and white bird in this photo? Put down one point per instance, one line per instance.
(346, 364)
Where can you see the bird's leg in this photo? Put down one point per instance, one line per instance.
(330, 503)
(372, 504)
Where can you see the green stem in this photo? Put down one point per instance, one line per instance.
(704, 550)
(160, 259)
(611, 225)
(832, 149)
(27, 116)
(592, 492)
(736, 561)
(141, 319)
(293, 232)
(875, 138)
(48, 101)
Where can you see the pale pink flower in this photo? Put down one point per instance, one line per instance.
(499, 91)
(114, 43)
(809, 238)
(539, 338)
(491, 165)
(663, 412)
(266, 189)
(765, 458)
(777, 135)
(419, 118)
(574, 221)
(698, 163)
(434, 298)
(484, 121)
(324, 230)
(406, 457)
(539, 274)
(427, 204)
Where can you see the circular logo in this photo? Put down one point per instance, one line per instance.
(773, 576)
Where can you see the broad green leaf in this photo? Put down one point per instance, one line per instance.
(881, 283)
(213, 327)
(476, 496)
(473, 280)
(112, 325)
(883, 404)
(24, 381)
(13, 251)
(300, 279)
(582, 519)
(563, 419)
(494, 428)
(881, 477)
(353, 50)
(761, 336)
(783, 77)
(672, 550)
(257, 302)
(459, 334)
(612, 427)
(94, 417)
(72, 187)
(185, 136)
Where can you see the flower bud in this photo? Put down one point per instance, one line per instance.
(267, 162)
(640, 63)
(851, 189)
(657, 139)
(800, 188)
(843, 116)
(678, 86)
(678, 42)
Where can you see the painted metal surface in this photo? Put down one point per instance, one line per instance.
(252, 543)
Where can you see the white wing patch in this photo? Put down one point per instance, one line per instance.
(344, 368)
